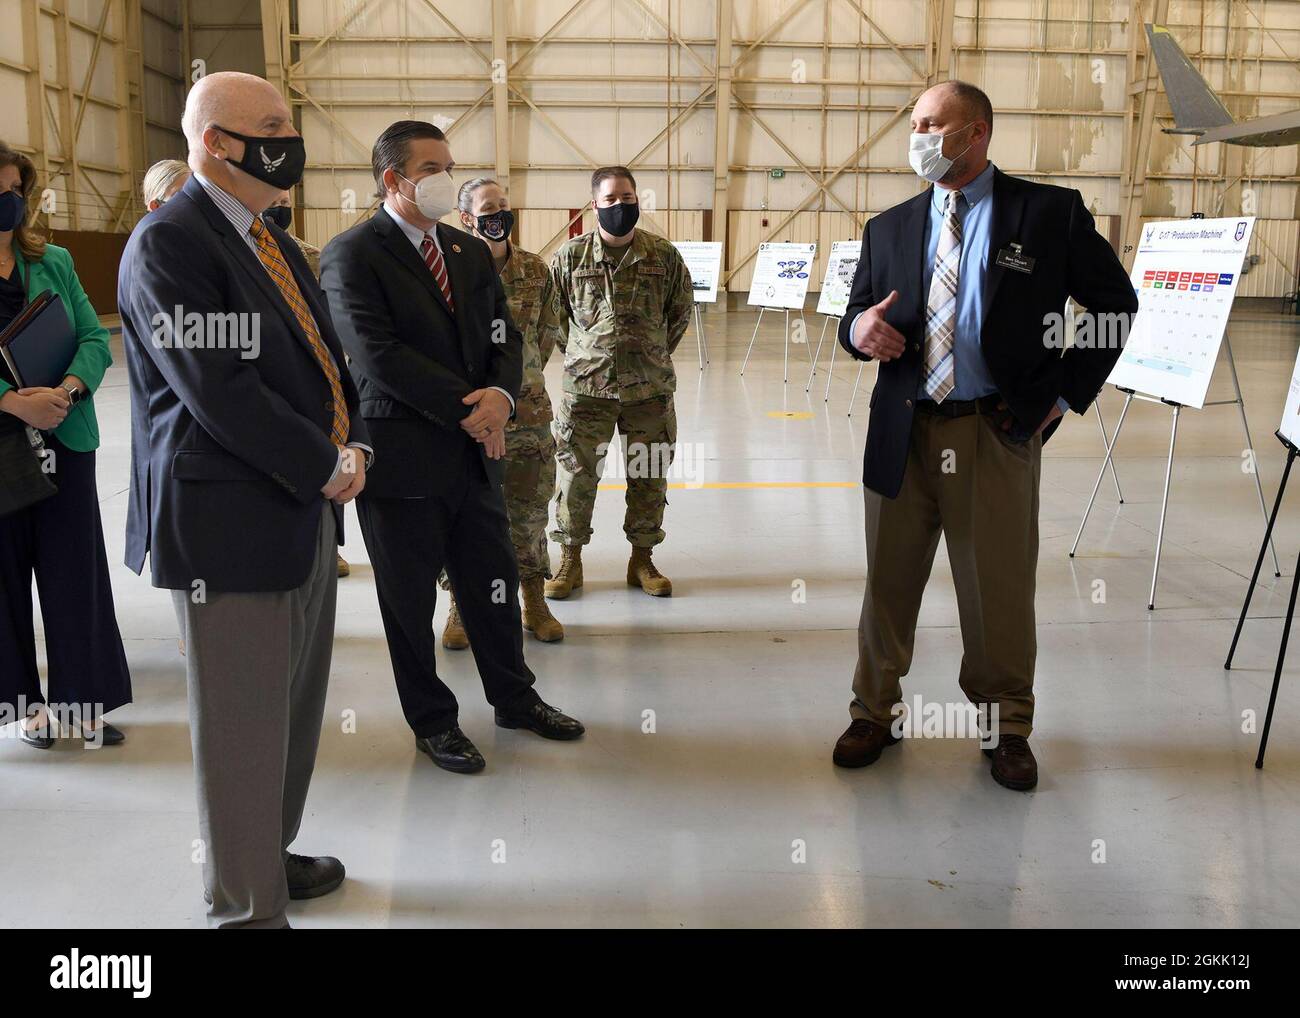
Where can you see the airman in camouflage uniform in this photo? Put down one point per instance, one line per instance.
(530, 446)
(627, 307)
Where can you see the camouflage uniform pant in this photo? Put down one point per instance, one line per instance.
(528, 484)
(584, 428)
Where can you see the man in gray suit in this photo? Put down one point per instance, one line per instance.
(246, 443)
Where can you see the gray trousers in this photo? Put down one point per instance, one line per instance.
(257, 667)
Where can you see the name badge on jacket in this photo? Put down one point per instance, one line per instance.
(1013, 257)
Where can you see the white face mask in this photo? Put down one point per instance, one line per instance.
(435, 195)
(925, 153)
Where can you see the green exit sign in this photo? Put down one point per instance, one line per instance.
(776, 173)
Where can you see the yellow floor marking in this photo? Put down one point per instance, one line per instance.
(793, 415)
(725, 485)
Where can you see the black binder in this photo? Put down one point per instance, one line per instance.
(39, 344)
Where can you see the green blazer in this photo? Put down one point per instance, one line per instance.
(54, 272)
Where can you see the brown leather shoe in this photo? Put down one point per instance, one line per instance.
(862, 744)
(1014, 765)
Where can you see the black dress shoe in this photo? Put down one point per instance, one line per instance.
(37, 738)
(105, 735)
(310, 876)
(543, 719)
(452, 751)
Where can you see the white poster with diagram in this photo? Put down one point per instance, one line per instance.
(703, 260)
(1290, 426)
(840, 268)
(781, 272)
(1185, 274)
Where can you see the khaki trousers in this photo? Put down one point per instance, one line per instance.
(966, 480)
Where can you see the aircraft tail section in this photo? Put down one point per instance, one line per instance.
(1195, 105)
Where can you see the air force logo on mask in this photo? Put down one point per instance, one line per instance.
(269, 164)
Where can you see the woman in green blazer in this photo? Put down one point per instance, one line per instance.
(59, 541)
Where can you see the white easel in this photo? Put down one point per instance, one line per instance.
(833, 297)
(703, 260)
(826, 320)
(1129, 396)
(784, 284)
(701, 344)
(785, 377)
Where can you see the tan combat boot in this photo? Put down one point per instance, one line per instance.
(641, 572)
(454, 636)
(538, 619)
(569, 577)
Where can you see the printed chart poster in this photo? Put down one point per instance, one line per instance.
(1290, 427)
(1185, 274)
(781, 275)
(703, 259)
(834, 298)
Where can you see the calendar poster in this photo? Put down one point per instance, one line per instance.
(1185, 274)
(843, 262)
(781, 275)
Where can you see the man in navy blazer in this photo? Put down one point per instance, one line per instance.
(246, 443)
(422, 313)
(960, 295)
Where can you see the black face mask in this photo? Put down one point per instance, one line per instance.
(280, 215)
(12, 209)
(619, 220)
(497, 226)
(275, 161)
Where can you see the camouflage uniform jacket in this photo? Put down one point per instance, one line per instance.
(310, 252)
(622, 325)
(535, 309)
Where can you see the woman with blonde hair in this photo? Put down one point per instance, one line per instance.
(162, 180)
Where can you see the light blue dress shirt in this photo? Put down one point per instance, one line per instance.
(971, 374)
(972, 379)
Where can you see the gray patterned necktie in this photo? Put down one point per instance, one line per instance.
(941, 307)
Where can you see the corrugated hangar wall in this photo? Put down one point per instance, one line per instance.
(537, 92)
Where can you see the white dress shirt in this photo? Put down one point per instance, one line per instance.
(416, 236)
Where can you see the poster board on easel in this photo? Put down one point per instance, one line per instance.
(703, 260)
(781, 275)
(1185, 275)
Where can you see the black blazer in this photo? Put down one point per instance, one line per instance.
(413, 359)
(228, 452)
(1072, 259)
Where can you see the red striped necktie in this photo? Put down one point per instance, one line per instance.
(433, 259)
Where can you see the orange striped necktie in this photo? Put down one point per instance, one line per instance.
(268, 252)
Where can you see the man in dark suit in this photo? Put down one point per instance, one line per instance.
(959, 294)
(246, 441)
(421, 312)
